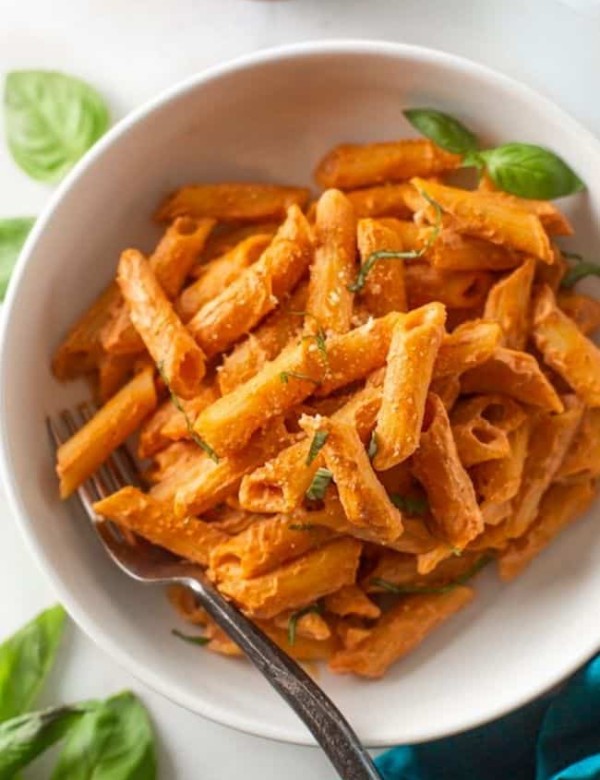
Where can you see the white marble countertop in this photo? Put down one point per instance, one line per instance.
(131, 51)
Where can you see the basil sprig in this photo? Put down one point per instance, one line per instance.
(579, 270)
(51, 121)
(13, 233)
(526, 170)
(102, 739)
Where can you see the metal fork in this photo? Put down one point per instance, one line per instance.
(150, 564)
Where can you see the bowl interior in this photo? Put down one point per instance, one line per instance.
(271, 119)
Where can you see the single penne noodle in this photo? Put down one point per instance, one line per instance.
(362, 496)
(234, 312)
(86, 450)
(218, 274)
(79, 352)
(264, 343)
(549, 442)
(560, 506)
(304, 648)
(399, 631)
(180, 360)
(232, 202)
(214, 481)
(583, 310)
(455, 289)
(349, 166)
(565, 349)
(512, 373)
(413, 349)
(447, 388)
(498, 481)
(171, 262)
(498, 221)
(480, 426)
(187, 536)
(384, 290)
(296, 583)
(469, 345)
(267, 544)
(554, 221)
(399, 569)
(329, 303)
(508, 303)
(437, 466)
(582, 460)
(351, 600)
(387, 200)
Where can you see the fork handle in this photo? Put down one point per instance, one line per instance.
(327, 724)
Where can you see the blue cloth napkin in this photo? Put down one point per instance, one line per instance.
(554, 738)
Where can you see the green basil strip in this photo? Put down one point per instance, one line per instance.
(530, 171)
(410, 504)
(112, 742)
(403, 590)
(51, 121)
(25, 660)
(295, 617)
(316, 445)
(23, 738)
(578, 272)
(442, 129)
(13, 233)
(318, 487)
(193, 640)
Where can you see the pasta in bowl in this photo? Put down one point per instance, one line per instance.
(375, 393)
(392, 362)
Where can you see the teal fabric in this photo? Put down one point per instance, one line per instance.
(554, 738)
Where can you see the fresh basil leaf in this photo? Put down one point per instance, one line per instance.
(23, 738)
(318, 487)
(530, 171)
(410, 504)
(13, 233)
(112, 742)
(193, 640)
(51, 121)
(316, 445)
(580, 271)
(25, 660)
(442, 129)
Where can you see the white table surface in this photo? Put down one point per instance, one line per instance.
(131, 50)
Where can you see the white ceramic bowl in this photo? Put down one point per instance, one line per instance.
(271, 116)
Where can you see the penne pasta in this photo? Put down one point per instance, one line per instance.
(82, 454)
(497, 482)
(508, 303)
(583, 310)
(400, 630)
(471, 344)
(349, 166)
(187, 537)
(565, 349)
(384, 289)
(388, 200)
(413, 350)
(499, 221)
(179, 359)
(232, 202)
(480, 426)
(329, 301)
(456, 290)
(560, 506)
(582, 460)
(450, 492)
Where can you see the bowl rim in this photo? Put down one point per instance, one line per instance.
(85, 620)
